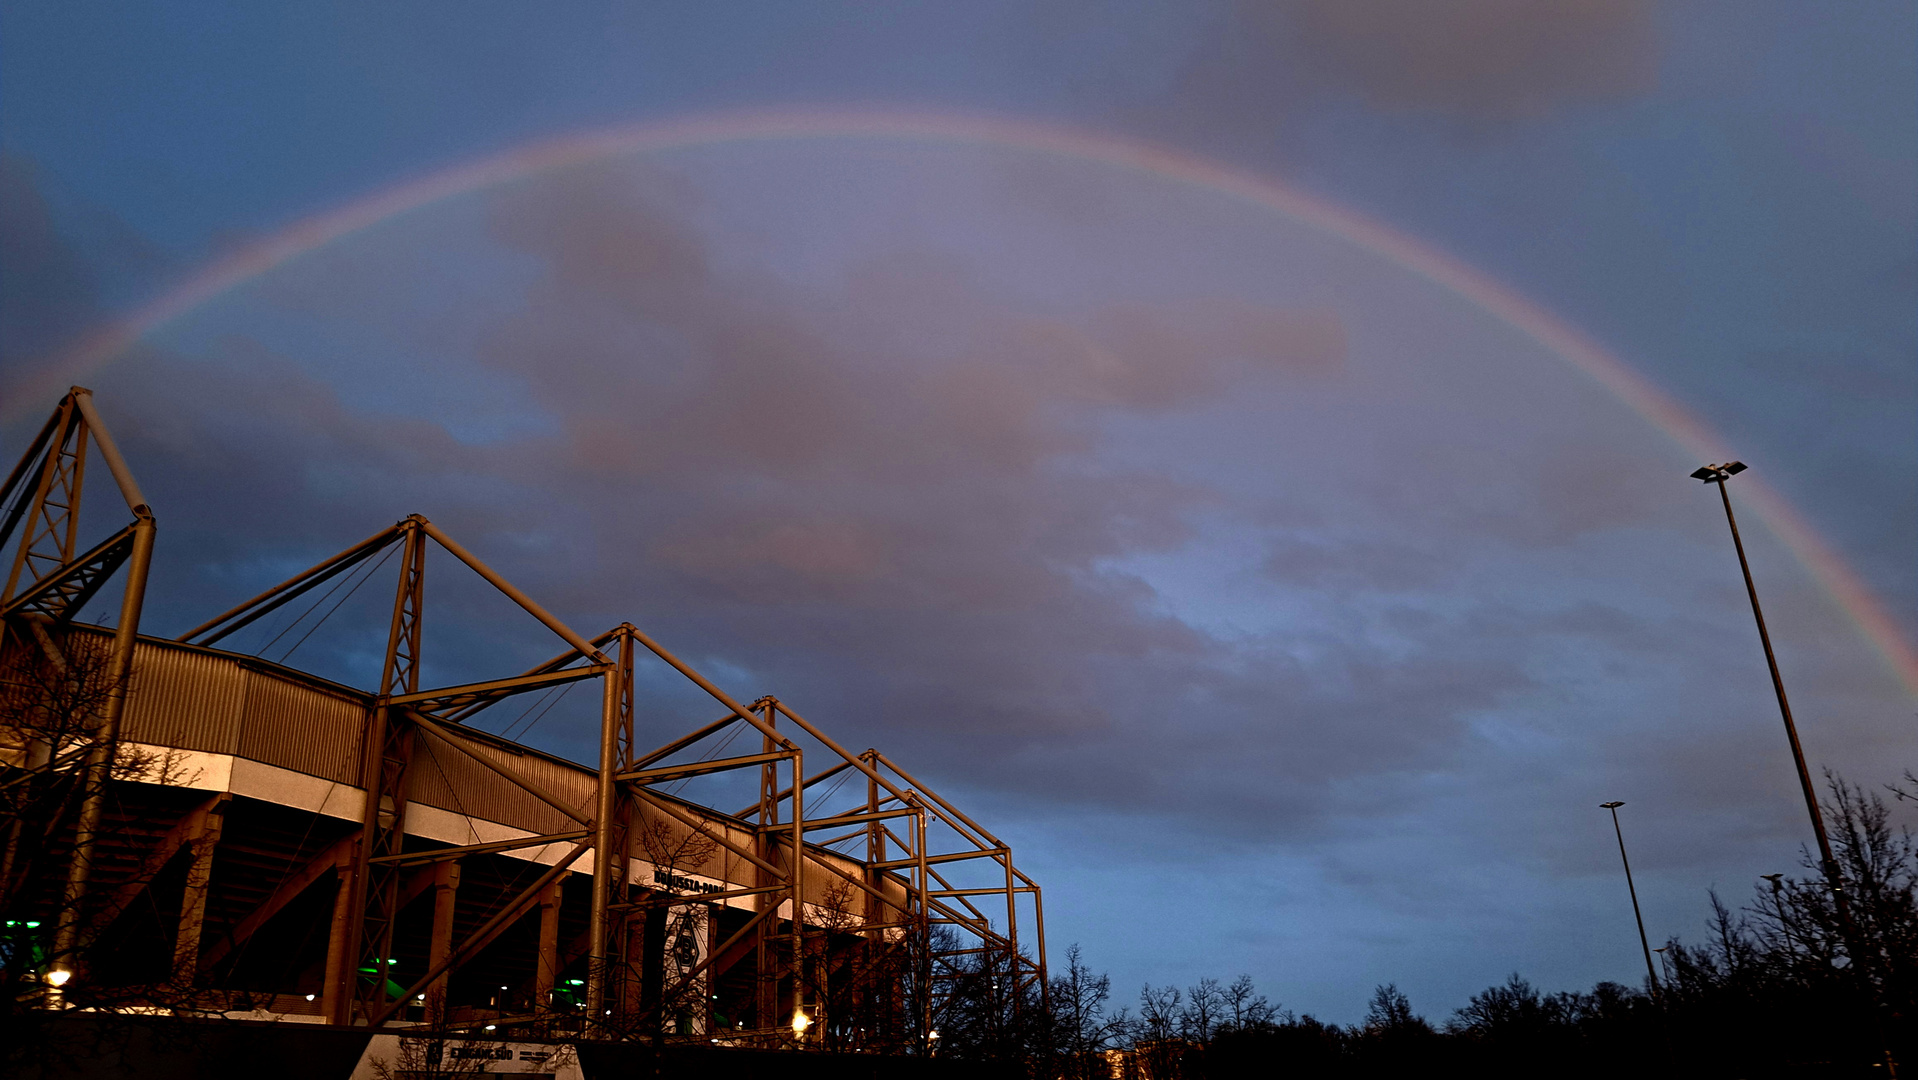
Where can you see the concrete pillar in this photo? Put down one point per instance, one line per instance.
(186, 939)
(546, 968)
(446, 884)
(336, 1000)
(630, 984)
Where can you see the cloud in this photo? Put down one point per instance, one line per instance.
(1498, 58)
(51, 288)
(64, 266)
(1312, 597)
(1253, 65)
(917, 506)
(896, 509)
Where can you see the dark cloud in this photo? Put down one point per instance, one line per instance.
(1246, 75)
(1499, 58)
(898, 505)
(51, 289)
(896, 510)
(64, 267)
(935, 515)
(912, 496)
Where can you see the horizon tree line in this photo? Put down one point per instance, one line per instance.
(1773, 989)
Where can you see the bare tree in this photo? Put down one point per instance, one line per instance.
(681, 1008)
(1247, 1008)
(54, 687)
(1205, 1005)
(1083, 1030)
(851, 976)
(1156, 1034)
(439, 1055)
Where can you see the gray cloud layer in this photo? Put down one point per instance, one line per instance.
(929, 513)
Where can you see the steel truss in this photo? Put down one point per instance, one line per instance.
(914, 840)
(49, 584)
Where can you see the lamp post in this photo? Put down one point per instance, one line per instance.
(1718, 474)
(1651, 973)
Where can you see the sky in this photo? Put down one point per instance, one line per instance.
(1108, 410)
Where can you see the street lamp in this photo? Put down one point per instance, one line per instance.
(1650, 972)
(1718, 474)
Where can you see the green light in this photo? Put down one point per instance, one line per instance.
(576, 982)
(33, 925)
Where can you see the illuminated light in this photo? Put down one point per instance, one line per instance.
(419, 997)
(935, 1034)
(490, 1027)
(800, 1022)
(58, 977)
(310, 997)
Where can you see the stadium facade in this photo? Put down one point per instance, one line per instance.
(198, 830)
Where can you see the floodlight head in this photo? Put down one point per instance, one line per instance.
(1719, 473)
(1610, 805)
(58, 977)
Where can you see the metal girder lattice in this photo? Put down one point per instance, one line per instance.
(388, 749)
(63, 591)
(788, 901)
(47, 585)
(929, 898)
(57, 463)
(358, 980)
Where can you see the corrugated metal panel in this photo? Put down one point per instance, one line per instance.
(301, 727)
(195, 699)
(185, 698)
(450, 780)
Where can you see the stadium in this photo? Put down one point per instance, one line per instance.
(194, 831)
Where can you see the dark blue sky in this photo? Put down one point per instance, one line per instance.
(1199, 546)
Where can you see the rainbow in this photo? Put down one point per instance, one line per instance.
(1685, 428)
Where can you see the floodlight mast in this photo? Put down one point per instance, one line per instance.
(1651, 973)
(1718, 474)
